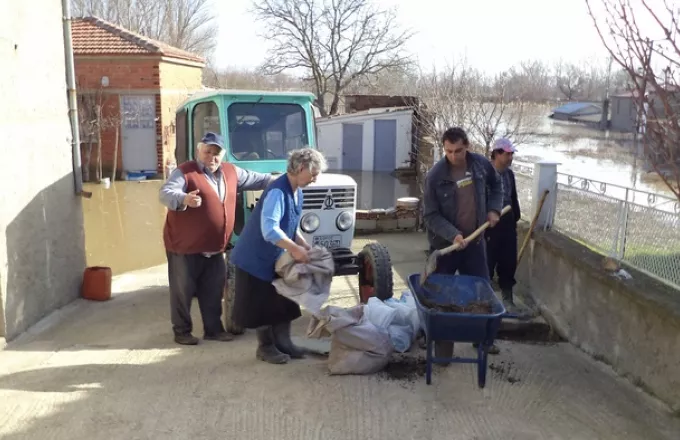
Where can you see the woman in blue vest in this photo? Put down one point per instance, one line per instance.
(271, 230)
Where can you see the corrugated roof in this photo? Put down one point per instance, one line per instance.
(94, 36)
(574, 107)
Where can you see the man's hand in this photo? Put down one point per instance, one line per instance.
(460, 241)
(493, 218)
(192, 200)
(299, 254)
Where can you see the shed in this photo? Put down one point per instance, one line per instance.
(378, 139)
(578, 111)
(623, 112)
(137, 82)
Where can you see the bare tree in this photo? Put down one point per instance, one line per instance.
(569, 79)
(246, 79)
(496, 113)
(334, 42)
(185, 24)
(651, 58)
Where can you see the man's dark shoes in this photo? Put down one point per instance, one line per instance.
(221, 336)
(186, 339)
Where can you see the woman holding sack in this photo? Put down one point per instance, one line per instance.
(271, 230)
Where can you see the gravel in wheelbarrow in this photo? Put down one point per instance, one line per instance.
(457, 308)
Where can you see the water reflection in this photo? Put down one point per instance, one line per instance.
(124, 226)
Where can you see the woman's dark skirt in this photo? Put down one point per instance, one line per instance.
(256, 303)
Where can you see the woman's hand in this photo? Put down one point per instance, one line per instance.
(299, 254)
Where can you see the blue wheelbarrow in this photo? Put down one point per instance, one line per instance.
(458, 290)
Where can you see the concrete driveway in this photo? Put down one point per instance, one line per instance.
(111, 371)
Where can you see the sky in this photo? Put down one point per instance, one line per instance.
(492, 34)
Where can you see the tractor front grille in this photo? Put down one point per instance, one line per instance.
(316, 198)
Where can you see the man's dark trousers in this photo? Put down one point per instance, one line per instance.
(202, 277)
(501, 247)
(469, 261)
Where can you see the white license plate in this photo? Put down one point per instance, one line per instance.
(327, 241)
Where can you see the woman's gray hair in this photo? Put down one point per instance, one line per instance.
(308, 158)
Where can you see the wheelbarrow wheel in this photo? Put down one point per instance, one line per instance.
(228, 302)
(482, 364)
(375, 273)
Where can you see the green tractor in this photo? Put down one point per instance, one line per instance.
(260, 128)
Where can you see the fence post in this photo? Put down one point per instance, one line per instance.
(545, 178)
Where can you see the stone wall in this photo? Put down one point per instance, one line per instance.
(394, 219)
(633, 325)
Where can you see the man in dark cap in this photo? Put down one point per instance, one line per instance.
(201, 199)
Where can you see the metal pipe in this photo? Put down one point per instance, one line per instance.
(72, 98)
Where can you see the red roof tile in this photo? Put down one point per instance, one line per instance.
(94, 36)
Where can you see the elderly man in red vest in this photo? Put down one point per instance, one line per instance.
(201, 199)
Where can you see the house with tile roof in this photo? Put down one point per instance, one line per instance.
(128, 89)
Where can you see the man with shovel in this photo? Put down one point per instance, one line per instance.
(501, 242)
(462, 192)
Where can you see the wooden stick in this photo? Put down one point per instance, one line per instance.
(532, 225)
(432, 259)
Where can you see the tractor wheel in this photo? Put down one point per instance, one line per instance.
(375, 272)
(228, 302)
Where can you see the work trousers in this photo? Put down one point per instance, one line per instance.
(197, 276)
(501, 248)
(469, 261)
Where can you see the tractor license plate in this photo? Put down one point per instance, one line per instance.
(327, 241)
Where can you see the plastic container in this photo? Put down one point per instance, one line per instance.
(97, 283)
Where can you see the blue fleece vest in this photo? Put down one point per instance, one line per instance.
(252, 252)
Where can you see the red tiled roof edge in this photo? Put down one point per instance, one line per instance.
(148, 45)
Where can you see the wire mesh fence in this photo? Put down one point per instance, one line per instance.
(641, 229)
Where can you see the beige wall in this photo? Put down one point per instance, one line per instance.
(177, 82)
(42, 253)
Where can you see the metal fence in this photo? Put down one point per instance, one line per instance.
(637, 227)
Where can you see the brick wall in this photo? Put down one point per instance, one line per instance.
(123, 72)
(170, 82)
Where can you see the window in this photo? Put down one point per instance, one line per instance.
(263, 131)
(206, 117)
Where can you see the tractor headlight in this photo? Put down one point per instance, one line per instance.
(310, 222)
(344, 221)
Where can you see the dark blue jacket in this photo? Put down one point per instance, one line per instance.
(252, 253)
(439, 210)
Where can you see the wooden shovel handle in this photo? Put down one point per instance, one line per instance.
(472, 236)
(532, 225)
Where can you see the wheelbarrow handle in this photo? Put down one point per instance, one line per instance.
(475, 234)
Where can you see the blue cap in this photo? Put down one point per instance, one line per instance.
(211, 138)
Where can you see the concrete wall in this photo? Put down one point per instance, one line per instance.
(330, 137)
(42, 255)
(632, 325)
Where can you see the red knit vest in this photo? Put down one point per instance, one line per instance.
(207, 228)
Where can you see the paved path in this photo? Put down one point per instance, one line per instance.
(110, 371)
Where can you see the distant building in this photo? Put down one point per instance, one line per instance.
(623, 112)
(138, 82)
(578, 112)
(379, 139)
